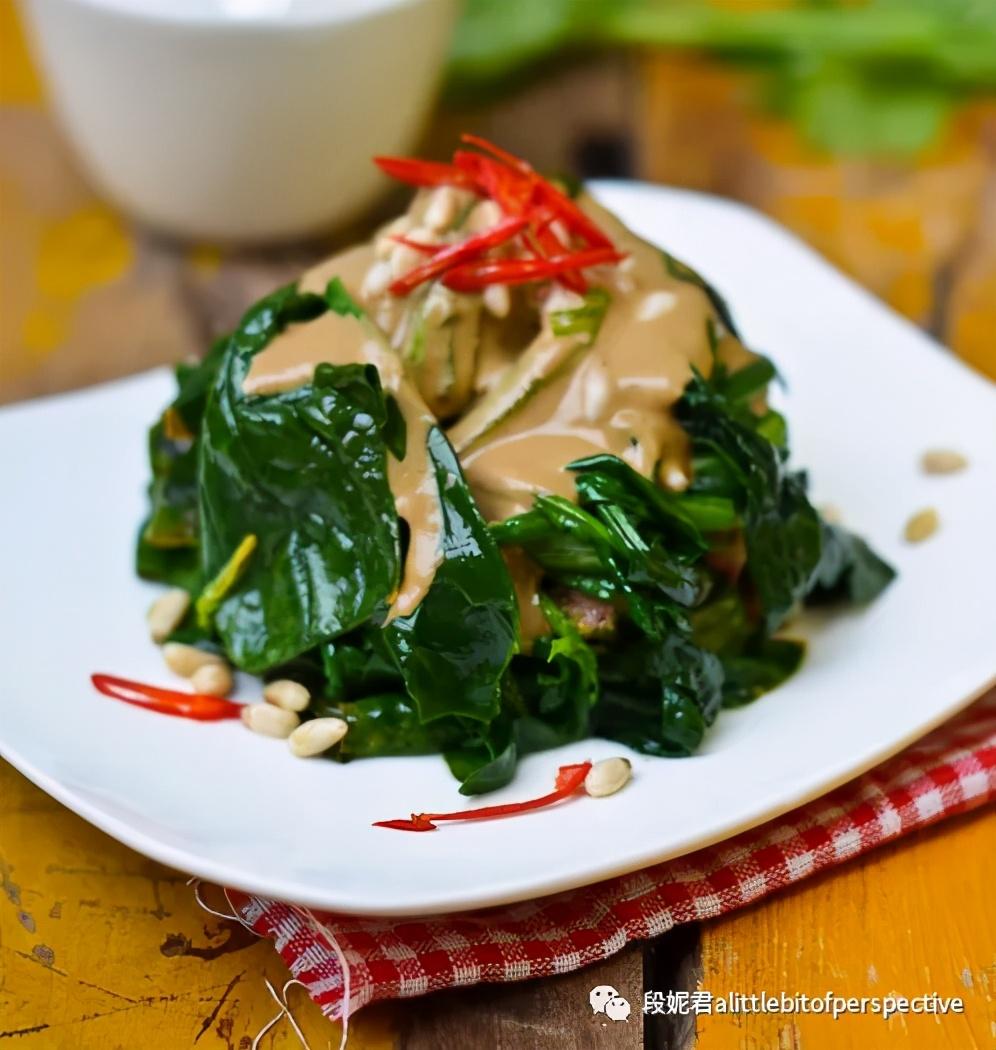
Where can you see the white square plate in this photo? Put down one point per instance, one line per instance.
(867, 393)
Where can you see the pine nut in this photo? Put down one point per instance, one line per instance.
(166, 613)
(922, 525)
(283, 693)
(440, 306)
(383, 244)
(607, 777)
(184, 659)
(496, 300)
(942, 461)
(268, 720)
(212, 679)
(404, 260)
(442, 208)
(483, 216)
(377, 279)
(318, 735)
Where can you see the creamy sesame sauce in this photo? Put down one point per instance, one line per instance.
(521, 401)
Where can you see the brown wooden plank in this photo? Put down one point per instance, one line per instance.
(549, 1014)
(672, 963)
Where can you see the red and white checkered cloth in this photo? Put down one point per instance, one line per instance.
(346, 962)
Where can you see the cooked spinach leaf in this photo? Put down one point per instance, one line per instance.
(760, 666)
(381, 724)
(551, 691)
(791, 553)
(306, 472)
(848, 568)
(658, 696)
(169, 537)
(485, 758)
(455, 646)
(782, 529)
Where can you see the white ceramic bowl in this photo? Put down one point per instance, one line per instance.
(241, 120)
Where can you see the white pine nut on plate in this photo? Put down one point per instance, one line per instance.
(608, 776)
(317, 736)
(922, 525)
(268, 720)
(942, 461)
(212, 679)
(291, 696)
(166, 613)
(184, 660)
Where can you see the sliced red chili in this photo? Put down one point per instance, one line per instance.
(475, 275)
(545, 192)
(505, 187)
(488, 146)
(423, 172)
(569, 780)
(549, 244)
(197, 706)
(522, 194)
(573, 217)
(454, 254)
(419, 246)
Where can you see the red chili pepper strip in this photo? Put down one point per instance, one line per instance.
(197, 706)
(507, 188)
(510, 159)
(549, 244)
(423, 172)
(454, 254)
(419, 246)
(573, 217)
(473, 276)
(569, 780)
(545, 191)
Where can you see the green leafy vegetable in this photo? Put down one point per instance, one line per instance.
(790, 551)
(552, 691)
(455, 646)
(659, 697)
(169, 537)
(660, 606)
(306, 472)
(782, 529)
(848, 568)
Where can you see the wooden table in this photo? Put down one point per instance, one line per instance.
(103, 949)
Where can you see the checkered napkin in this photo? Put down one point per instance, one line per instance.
(346, 962)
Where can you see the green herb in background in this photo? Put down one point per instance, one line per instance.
(879, 77)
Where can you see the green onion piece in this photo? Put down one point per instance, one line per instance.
(583, 320)
(213, 594)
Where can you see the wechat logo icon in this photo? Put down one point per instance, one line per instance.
(604, 999)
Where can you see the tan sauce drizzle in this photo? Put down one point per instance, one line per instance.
(613, 397)
(539, 409)
(290, 361)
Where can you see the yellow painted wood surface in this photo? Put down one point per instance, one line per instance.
(910, 919)
(102, 949)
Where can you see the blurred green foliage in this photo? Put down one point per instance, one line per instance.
(878, 77)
